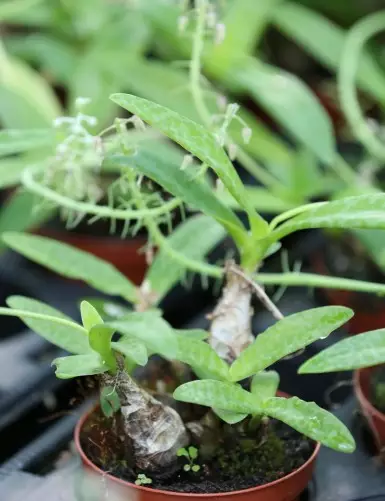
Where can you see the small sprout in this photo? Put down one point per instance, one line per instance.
(142, 479)
(109, 401)
(191, 454)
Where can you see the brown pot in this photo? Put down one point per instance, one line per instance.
(287, 488)
(363, 319)
(374, 417)
(125, 255)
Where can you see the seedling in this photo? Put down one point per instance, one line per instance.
(191, 454)
(142, 479)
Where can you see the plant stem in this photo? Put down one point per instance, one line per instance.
(123, 214)
(293, 212)
(261, 294)
(357, 37)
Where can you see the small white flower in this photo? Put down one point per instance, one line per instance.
(80, 102)
(59, 121)
(211, 19)
(221, 102)
(182, 24)
(246, 134)
(187, 161)
(233, 150)
(220, 33)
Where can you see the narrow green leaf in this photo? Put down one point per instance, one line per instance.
(90, 315)
(325, 40)
(164, 272)
(261, 199)
(218, 395)
(197, 140)
(108, 310)
(362, 212)
(200, 356)
(100, 341)
(292, 104)
(198, 334)
(14, 141)
(294, 279)
(79, 365)
(288, 336)
(152, 330)
(312, 421)
(230, 417)
(73, 263)
(109, 401)
(71, 339)
(132, 348)
(363, 350)
(265, 384)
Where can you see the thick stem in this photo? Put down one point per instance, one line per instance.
(152, 430)
(231, 320)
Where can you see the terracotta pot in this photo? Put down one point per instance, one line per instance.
(125, 255)
(374, 417)
(363, 319)
(287, 488)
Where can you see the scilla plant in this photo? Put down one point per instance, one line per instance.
(227, 353)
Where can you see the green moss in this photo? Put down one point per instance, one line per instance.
(248, 457)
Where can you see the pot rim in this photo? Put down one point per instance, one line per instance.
(125, 483)
(361, 394)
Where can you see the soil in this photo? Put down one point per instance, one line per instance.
(236, 459)
(377, 388)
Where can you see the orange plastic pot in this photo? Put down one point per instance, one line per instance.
(287, 488)
(363, 319)
(125, 255)
(374, 417)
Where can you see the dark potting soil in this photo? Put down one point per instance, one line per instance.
(239, 460)
(377, 388)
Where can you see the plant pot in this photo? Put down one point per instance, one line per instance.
(374, 417)
(287, 488)
(369, 310)
(125, 254)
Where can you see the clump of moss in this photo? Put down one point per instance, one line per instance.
(250, 457)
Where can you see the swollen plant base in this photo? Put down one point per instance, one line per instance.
(239, 460)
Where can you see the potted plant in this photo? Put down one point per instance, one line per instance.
(230, 355)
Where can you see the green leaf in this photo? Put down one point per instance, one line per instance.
(11, 8)
(182, 453)
(261, 199)
(288, 336)
(19, 213)
(132, 348)
(100, 341)
(193, 452)
(164, 272)
(73, 263)
(90, 316)
(69, 338)
(152, 330)
(109, 401)
(183, 184)
(363, 350)
(14, 141)
(294, 279)
(230, 417)
(325, 41)
(218, 395)
(200, 356)
(26, 98)
(108, 310)
(361, 212)
(292, 104)
(195, 468)
(79, 365)
(265, 384)
(197, 140)
(198, 334)
(245, 22)
(312, 421)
